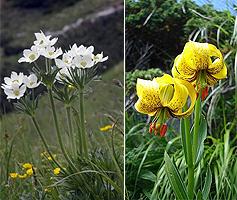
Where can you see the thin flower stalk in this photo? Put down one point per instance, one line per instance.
(189, 158)
(197, 114)
(44, 142)
(82, 117)
(58, 130)
(70, 128)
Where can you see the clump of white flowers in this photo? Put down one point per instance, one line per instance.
(15, 85)
(76, 57)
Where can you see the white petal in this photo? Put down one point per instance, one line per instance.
(90, 49)
(53, 41)
(26, 52)
(104, 59)
(22, 89)
(7, 80)
(23, 59)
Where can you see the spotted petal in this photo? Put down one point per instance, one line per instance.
(149, 101)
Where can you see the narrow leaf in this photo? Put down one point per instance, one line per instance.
(199, 195)
(207, 184)
(175, 179)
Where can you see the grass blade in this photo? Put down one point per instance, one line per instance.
(207, 184)
(175, 179)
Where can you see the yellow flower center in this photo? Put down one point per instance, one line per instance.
(15, 81)
(83, 63)
(32, 57)
(16, 92)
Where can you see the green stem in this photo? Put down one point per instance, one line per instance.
(44, 142)
(70, 127)
(58, 130)
(197, 114)
(190, 158)
(83, 130)
(46, 64)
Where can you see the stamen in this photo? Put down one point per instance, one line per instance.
(204, 93)
(163, 130)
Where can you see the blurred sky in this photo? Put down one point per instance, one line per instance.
(220, 4)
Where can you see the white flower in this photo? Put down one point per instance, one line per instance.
(14, 79)
(15, 91)
(66, 61)
(84, 61)
(81, 50)
(30, 55)
(99, 58)
(44, 41)
(51, 52)
(63, 73)
(31, 81)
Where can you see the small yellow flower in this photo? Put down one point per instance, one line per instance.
(29, 172)
(13, 175)
(106, 128)
(27, 166)
(56, 171)
(22, 176)
(200, 63)
(50, 158)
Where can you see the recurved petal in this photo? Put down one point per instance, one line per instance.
(197, 55)
(179, 97)
(221, 74)
(147, 92)
(213, 51)
(189, 91)
(183, 69)
(216, 66)
(165, 79)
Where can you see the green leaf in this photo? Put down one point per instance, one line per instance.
(199, 195)
(149, 176)
(175, 179)
(182, 130)
(201, 138)
(207, 184)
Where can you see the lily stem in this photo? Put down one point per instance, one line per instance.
(189, 158)
(58, 130)
(82, 115)
(196, 126)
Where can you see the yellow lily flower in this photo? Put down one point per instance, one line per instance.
(164, 97)
(200, 63)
